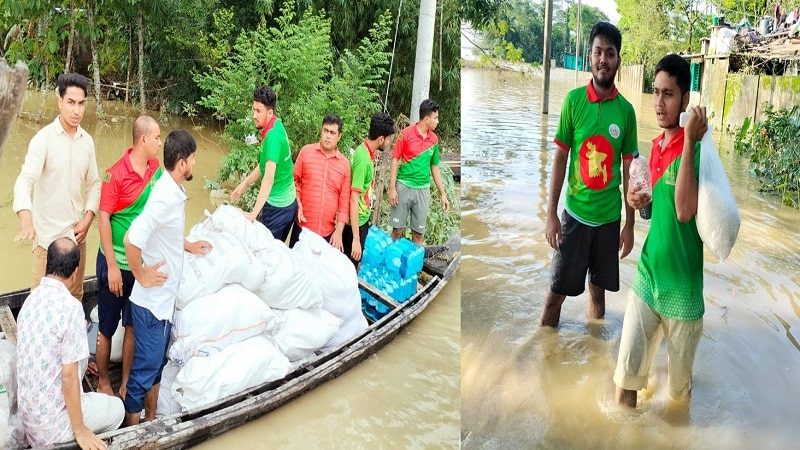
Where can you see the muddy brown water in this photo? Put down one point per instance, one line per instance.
(525, 387)
(406, 395)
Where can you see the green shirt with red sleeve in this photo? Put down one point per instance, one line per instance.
(599, 133)
(362, 168)
(123, 195)
(669, 276)
(416, 155)
(275, 148)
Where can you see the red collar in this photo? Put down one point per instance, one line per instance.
(661, 158)
(268, 127)
(594, 98)
(152, 164)
(371, 152)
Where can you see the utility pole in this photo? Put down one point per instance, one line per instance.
(424, 57)
(578, 39)
(548, 23)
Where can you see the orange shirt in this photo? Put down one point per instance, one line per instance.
(323, 188)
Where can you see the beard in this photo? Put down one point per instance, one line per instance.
(604, 82)
(188, 176)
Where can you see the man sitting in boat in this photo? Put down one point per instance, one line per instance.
(51, 345)
(154, 245)
(362, 174)
(322, 180)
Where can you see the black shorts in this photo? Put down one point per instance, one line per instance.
(583, 248)
(347, 240)
(110, 307)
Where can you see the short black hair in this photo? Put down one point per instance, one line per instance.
(678, 68)
(266, 96)
(608, 31)
(331, 119)
(380, 125)
(178, 145)
(66, 80)
(63, 257)
(427, 107)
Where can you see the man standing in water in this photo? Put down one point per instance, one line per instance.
(597, 134)
(667, 295)
(276, 204)
(58, 190)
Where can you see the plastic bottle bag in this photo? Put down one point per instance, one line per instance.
(717, 214)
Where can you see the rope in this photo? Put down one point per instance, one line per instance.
(391, 63)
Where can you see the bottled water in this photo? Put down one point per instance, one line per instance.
(640, 176)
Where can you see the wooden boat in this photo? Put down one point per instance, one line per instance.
(198, 425)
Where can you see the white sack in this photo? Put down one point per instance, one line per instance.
(717, 215)
(287, 284)
(237, 368)
(213, 322)
(167, 403)
(337, 278)
(300, 332)
(116, 340)
(229, 220)
(228, 262)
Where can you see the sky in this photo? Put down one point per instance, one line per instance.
(609, 7)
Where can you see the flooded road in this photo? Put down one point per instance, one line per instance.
(522, 387)
(406, 395)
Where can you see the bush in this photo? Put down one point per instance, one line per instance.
(296, 58)
(773, 147)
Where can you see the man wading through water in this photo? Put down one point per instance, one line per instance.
(596, 132)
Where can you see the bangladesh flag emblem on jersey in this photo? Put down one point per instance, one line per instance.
(596, 159)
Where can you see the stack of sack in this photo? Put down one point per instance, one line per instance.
(250, 308)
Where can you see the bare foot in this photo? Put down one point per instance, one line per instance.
(625, 397)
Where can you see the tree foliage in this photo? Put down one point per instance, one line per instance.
(521, 24)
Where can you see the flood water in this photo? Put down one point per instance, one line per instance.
(525, 387)
(406, 395)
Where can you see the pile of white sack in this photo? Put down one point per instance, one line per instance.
(251, 307)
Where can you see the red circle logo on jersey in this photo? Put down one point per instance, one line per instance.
(596, 157)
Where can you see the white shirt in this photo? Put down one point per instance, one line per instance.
(50, 333)
(158, 231)
(58, 182)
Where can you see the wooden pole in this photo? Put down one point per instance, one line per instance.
(548, 24)
(12, 92)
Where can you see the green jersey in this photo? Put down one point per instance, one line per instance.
(362, 168)
(598, 134)
(416, 155)
(275, 148)
(669, 276)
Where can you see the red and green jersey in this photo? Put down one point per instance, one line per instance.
(416, 155)
(598, 134)
(362, 170)
(669, 277)
(275, 148)
(123, 195)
